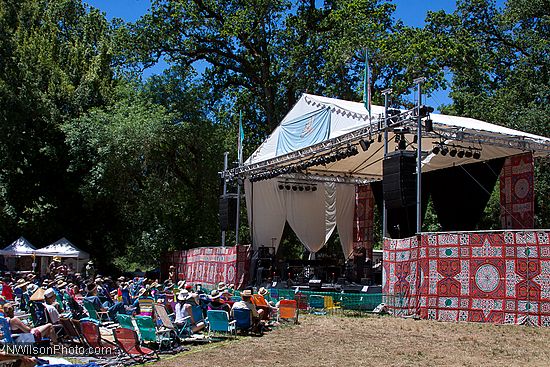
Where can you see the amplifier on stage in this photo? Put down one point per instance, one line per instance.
(315, 284)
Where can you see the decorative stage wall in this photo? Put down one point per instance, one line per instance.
(517, 192)
(210, 265)
(499, 277)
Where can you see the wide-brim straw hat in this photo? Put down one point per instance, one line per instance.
(262, 291)
(183, 295)
(38, 295)
(21, 283)
(215, 294)
(246, 293)
(222, 286)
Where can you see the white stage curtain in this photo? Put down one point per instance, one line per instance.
(267, 217)
(345, 210)
(330, 211)
(306, 214)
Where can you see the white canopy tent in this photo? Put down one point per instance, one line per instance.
(19, 247)
(75, 257)
(62, 248)
(319, 126)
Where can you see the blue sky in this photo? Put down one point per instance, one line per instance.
(412, 12)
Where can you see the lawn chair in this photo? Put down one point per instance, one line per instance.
(243, 321)
(316, 305)
(97, 315)
(179, 331)
(288, 310)
(72, 335)
(330, 305)
(261, 304)
(128, 342)
(149, 333)
(92, 336)
(125, 321)
(146, 306)
(218, 321)
(38, 313)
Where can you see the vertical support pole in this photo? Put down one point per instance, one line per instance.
(237, 222)
(224, 189)
(419, 82)
(386, 93)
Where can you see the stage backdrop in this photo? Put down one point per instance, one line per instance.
(517, 192)
(210, 265)
(499, 277)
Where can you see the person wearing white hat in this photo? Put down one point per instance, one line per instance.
(49, 297)
(184, 311)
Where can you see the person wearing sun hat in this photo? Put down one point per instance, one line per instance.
(216, 303)
(246, 303)
(184, 311)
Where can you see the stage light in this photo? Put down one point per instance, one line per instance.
(301, 188)
(460, 154)
(429, 125)
(281, 186)
(294, 188)
(436, 150)
(477, 155)
(287, 187)
(468, 154)
(415, 139)
(365, 145)
(379, 138)
(314, 188)
(308, 188)
(453, 152)
(444, 151)
(402, 145)
(424, 110)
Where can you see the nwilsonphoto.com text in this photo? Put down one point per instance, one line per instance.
(60, 350)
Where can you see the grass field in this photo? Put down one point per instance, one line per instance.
(377, 341)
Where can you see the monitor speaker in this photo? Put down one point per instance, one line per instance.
(399, 180)
(228, 212)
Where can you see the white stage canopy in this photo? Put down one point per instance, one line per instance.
(318, 127)
(62, 248)
(20, 247)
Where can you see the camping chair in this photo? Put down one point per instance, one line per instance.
(125, 321)
(166, 322)
(243, 321)
(261, 304)
(288, 310)
(92, 336)
(330, 305)
(218, 321)
(146, 306)
(316, 305)
(97, 316)
(149, 333)
(236, 299)
(128, 342)
(8, 337)
(38, 313)
(72, 335)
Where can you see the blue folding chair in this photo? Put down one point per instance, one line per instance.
(243, 321)
(218, 321)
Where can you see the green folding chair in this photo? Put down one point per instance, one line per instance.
(97, 315)
(125, 321)
(149, 333)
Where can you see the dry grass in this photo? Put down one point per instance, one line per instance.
(377, 341)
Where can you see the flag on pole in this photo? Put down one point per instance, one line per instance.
(366, 85)
(240, 139)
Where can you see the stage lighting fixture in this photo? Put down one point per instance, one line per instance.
(424, 110)
(429, 125)
(294, 188)
(460, 154)
(453, 152)
(301, 188)
(308, 188)
(444, 151)
(379, 138)
(477, 155)
(281, 186)
(415, 139)
(287, 187)
(468, 154)
(314, 188)
(365, 144)
(436, 149)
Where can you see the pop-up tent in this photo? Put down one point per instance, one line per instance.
(19, 247)
(303, 173)
(75, 257)
(62, 248)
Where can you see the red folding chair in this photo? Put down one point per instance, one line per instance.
(92, 336)
(128, 342)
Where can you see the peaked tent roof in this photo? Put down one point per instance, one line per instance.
(62, 248)
(318, 125)
(19, 247)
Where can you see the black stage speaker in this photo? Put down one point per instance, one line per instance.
(228, 212)
(399, 181)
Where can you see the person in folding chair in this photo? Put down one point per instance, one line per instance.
(18, 326)
(184, 309)
(246, 303)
